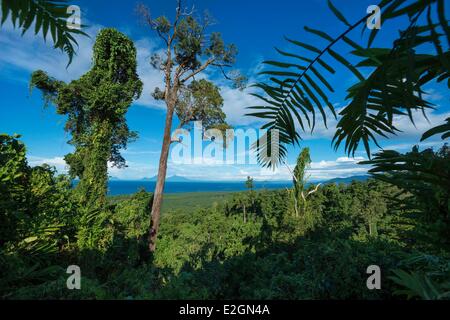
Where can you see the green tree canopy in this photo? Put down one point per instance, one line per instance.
(189, 50)
(95, 106)
(201, 101)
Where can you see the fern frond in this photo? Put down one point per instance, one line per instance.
(393, 88)
(48, 15)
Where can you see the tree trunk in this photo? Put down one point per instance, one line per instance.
(93, 185)
(159, 188)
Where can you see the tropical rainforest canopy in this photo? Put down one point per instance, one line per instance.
(306, 242)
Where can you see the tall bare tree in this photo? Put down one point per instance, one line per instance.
(188, 52)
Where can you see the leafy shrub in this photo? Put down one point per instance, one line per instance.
(250, 247)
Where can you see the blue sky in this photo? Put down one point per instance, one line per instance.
(256, 27)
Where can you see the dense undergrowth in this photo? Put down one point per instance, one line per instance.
(252, 246)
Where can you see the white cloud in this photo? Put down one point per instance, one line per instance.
(320, 130)
(433, 95)
(340, 168)
(421, 124)
(151, 77)
(322, 170)
(408, 130)
(408, 146)
(235, 104)
(57, 162)
(30, 53)
(141, 152)
(134, 170)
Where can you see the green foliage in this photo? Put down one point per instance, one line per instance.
(36, 206)
(247, 245)
(385, 94)
(201, 101)
(276, 262)
(133, 214)
(47, 16)
(211, 253)
(298, 88)
(430, 279)
(95, 106)
(298, 196)
(307, 270)
(188, 52)
(191, 42)
(13, 171)
(249, 183)
(200, 237)
(424, 179)
(191, 49)
(37, 213)
(443, 129)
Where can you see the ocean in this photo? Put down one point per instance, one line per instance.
(119, 187)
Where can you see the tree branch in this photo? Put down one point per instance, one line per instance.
(145, 13)
(221, 66)
(200, 69)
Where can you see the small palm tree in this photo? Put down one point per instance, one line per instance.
(298, 194)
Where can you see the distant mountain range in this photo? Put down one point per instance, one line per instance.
(347, 180)
(177, 184)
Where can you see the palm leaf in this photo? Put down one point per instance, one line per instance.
(444, 129)
(48, 16)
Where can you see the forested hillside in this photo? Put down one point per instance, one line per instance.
(309, 241)
(252, 246)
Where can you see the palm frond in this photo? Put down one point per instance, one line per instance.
(411, 171)
(415, 285)
(298, 93)
(48, 16)
(444, 129)
(429, 280)
(298, 87)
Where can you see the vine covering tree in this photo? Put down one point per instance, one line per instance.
(95, 106)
